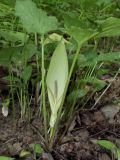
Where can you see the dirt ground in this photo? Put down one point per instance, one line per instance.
(103, 122)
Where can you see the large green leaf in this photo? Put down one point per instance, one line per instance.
(22, 57)
(91, 58)
(28, 51)
(95, 82)
(26, 74)
(13, 36)
(88, 59)
(108, 56)
(109, 27)
(6, 54)
(81, 35)
(70, 21)
(56, 79)
(34, 19)
(76, 94)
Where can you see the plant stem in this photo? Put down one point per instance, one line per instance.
(63, 98)
(12, 94)
(43, 90)
(38, 71)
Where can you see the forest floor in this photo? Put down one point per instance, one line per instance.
(103, 122)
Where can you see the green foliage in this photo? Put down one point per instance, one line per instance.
(73, 20)
(109, 27)
(92, 58)
(106, 144)
(4, 10)
(110, 146)
(118, 154)
(33, 19)
(23, 54)
(6, 54)
(26, 74)
(9, 3)
(24, 154)
(13, 36)
(37, 149)
(78, 93)
(97, 84)
(81, 35)
(6, 158)
(17, 55)
(108, 57)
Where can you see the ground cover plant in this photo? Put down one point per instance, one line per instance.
(57, 59)
(110, 146)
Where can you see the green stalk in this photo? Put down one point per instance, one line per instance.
(28, 103)
(37, 63)
(12, 94)
(43, 90)
(21, 102)
(63, 98)
(24, 100)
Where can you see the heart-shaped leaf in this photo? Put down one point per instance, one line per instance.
(33, 19)
(81, 35)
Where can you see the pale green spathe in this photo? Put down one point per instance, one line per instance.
(56, 79)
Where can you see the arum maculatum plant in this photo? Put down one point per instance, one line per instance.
(57, 88)
(57, 80)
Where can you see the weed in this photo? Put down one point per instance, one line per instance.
(110, 146)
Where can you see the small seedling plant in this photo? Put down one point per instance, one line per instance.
(108, 145)
(35, 151)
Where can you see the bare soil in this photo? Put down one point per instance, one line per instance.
(78, 144)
